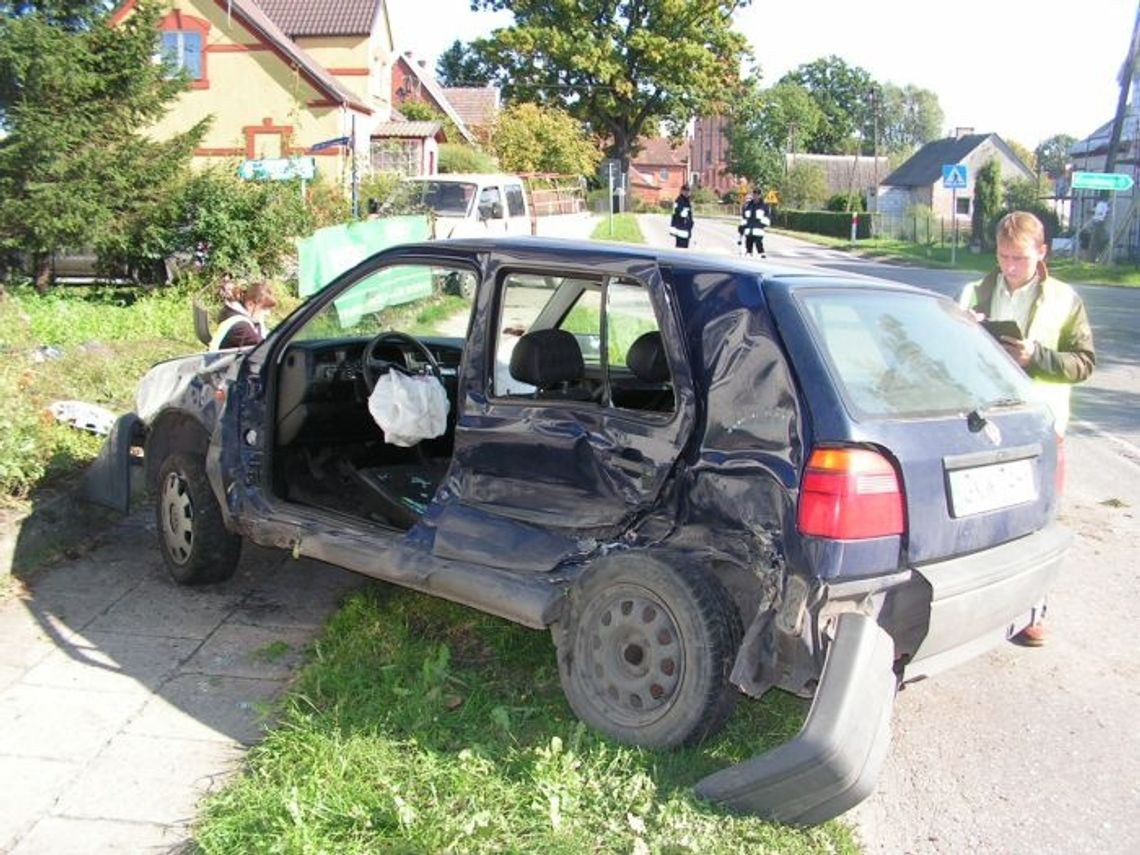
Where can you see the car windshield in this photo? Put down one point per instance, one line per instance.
(447, 198)
(898, 354)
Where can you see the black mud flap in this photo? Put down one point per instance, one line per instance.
(834, 761)
(108, 478)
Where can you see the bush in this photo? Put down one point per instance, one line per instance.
(847, 202)
(464, 158)
(828, 223)
(703, 196)
(804, 187)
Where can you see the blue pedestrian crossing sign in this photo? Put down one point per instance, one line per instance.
(954, 176)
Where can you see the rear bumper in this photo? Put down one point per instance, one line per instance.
(978, 601)
(109, 479)
(834, 761)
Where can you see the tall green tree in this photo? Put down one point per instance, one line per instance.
(843, 94)
(530, 138)
(460, 65)
(764, 125)
(987, 202)
(1024, 154)
(908, 117)
(619, 66)
(75, 164)
(1053, 155)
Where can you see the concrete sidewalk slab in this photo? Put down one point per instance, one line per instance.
(125, 698)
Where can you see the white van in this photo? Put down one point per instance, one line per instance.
(476, 205)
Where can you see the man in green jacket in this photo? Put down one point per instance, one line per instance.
(1057, 350)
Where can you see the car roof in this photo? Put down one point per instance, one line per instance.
(689, 261)
(467, 177)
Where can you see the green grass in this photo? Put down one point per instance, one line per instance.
(102, 341)
(422, 726)
(624, 229)
(933, 255)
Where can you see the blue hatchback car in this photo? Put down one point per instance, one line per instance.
(706, 478)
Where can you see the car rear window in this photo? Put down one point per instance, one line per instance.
(898, 354)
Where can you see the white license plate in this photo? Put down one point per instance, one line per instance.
(989, 488)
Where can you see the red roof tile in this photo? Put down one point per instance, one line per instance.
(477, 106)
(321, 17)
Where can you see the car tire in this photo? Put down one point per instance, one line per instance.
(195, 544)
(646, 649)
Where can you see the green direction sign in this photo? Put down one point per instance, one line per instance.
(1116, 181)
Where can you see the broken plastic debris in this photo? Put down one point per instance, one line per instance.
(80, 414)
(45, 352)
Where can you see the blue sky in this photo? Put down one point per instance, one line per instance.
(1023, 70)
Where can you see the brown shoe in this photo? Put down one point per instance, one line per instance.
(1033, 635)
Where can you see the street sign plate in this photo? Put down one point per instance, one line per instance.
(279, 168)
(955, 176)
(335, 141)
(1116, 181)
(772, 198)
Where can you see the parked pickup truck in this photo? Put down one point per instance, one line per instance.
(706, 479)
(476, 205)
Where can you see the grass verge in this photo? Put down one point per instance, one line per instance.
(624, 229)
(422, 726)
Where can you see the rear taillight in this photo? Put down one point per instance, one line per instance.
(1059, 472)
(849, 494)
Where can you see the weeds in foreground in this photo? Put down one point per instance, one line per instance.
(422, 726)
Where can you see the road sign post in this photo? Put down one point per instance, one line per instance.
(955, 177)
(1111, 182)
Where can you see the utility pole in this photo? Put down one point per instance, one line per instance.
(1127, 72)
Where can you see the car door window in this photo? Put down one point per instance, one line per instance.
(490, 203)
(608, 319)
(516, 207)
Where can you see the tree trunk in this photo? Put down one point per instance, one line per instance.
(43, 273)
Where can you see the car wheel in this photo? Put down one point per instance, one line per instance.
(196, 546)
(645, 653)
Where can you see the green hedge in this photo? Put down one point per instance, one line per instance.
(831, 223)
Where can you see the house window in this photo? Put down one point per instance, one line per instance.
(182, 50)
(664, 174)
(399, 156)
(963, 205)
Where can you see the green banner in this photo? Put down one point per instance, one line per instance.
(329, 252)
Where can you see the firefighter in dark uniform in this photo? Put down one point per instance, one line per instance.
(753, 221)
(681, 225)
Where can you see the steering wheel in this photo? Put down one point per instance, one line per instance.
(374, 367)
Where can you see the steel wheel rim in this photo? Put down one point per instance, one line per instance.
(632, 658)
(177, 518)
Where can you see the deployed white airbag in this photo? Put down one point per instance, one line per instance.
(409, 409)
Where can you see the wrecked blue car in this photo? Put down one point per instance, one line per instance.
(706, 478)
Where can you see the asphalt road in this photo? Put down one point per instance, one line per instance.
(1026, 750)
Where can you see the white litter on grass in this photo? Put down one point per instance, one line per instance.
(80, 414)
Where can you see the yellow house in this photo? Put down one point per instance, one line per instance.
(280, 77)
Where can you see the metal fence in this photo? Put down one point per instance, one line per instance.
(919, 229)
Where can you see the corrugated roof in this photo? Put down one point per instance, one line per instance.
(317, 18)
(844, 171)
(407, 130)
(477, 106)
